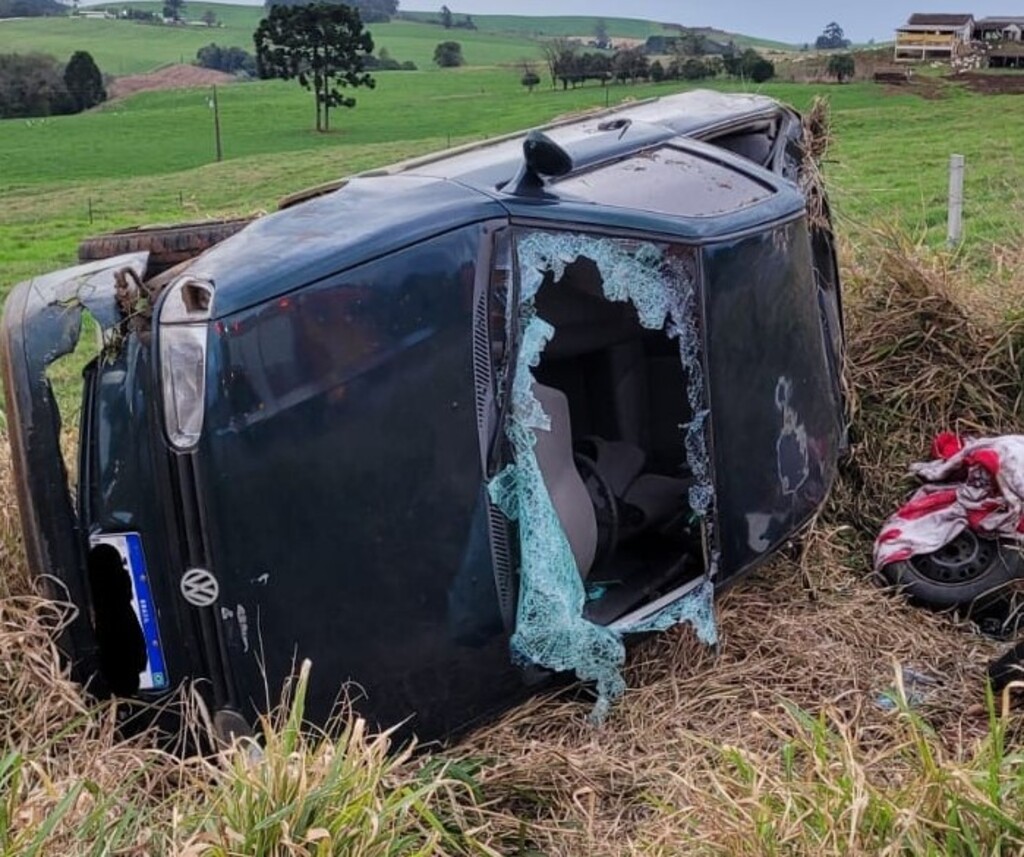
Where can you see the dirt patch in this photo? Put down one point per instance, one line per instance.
(171, 77)
(929, 88)
(990, 84)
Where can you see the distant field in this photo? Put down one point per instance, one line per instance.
(149, 157)
(129, 47)
(578, 25)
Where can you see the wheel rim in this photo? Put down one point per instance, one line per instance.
(963, 560)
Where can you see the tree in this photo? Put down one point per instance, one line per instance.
(209, 18)
(173, 9)
(529, 79)
(749, 64)
(231, 60)
(446, 17)
(601, 39)
(84, 81)
(448, 55)
(630, 64)
(32, 85)
(322, 45)
(657, 71)
(832, 38)
(841, 67)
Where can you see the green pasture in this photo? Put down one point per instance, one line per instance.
(150, 158)
(130, 47)
(537, 26)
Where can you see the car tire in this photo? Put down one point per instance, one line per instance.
(970, 571)
(167, 245)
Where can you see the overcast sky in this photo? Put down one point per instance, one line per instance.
(795, 21)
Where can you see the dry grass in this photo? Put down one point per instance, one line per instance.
(833, 718)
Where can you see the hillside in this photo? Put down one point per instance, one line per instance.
(129, 47)
(534, 26)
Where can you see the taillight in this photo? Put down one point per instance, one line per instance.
(184, 316)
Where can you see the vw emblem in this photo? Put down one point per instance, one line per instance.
(199, 587)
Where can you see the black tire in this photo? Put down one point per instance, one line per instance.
(167, 245)
(970, 571)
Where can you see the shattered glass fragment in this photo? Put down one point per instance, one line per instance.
(550, 628)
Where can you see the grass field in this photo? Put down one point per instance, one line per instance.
(129, 47)
(149, 157)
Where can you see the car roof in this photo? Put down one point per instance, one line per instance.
(381, 211)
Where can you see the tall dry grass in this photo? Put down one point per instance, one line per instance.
(832, 719)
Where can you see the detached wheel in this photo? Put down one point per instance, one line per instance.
(167, 245)
(969, 571)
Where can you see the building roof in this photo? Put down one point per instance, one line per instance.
(998, 23)
(920, 19)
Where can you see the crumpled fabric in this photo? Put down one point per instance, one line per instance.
(972, 483)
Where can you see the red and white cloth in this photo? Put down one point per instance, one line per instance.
(975, 483)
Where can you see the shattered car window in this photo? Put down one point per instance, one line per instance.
(660, 282)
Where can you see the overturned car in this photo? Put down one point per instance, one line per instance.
(449, 429)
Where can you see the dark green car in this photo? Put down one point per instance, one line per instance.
(449, 429)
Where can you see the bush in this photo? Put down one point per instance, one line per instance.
(529, 80)
(231, 60)
(32, 85)
(448, 55)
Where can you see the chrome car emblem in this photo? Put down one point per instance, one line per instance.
(199, 587)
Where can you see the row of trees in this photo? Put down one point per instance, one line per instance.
(571, 67)
(39, 85)
(31, 8)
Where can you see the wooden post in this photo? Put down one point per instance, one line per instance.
(216, 124)
(956, 199)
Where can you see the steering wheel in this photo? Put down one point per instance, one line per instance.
(606, 509)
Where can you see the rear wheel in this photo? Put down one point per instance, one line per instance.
(969, 571)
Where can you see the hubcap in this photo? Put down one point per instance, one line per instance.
(963, 560)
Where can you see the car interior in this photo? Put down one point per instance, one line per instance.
(614, 461)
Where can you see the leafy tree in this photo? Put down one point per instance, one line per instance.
(631, 64)
(832, 38)
(529, 79)
(32, 85)
(173, 9)
(322, 45)
(231, 59)
(841, 67)
(209, 18)
(749, 64)
(657, 71)
(446, 17)
(761, 70)
(448, 55)
(83, 81)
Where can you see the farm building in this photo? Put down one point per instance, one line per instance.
(1002, 41)
(928, 36)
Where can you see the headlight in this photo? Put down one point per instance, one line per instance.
(184, 316)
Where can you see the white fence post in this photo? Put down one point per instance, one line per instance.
(956, 199)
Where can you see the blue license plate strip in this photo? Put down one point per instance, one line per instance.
(129, 546)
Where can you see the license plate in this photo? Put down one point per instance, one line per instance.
(129, 545)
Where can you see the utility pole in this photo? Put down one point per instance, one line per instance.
(216, 124)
